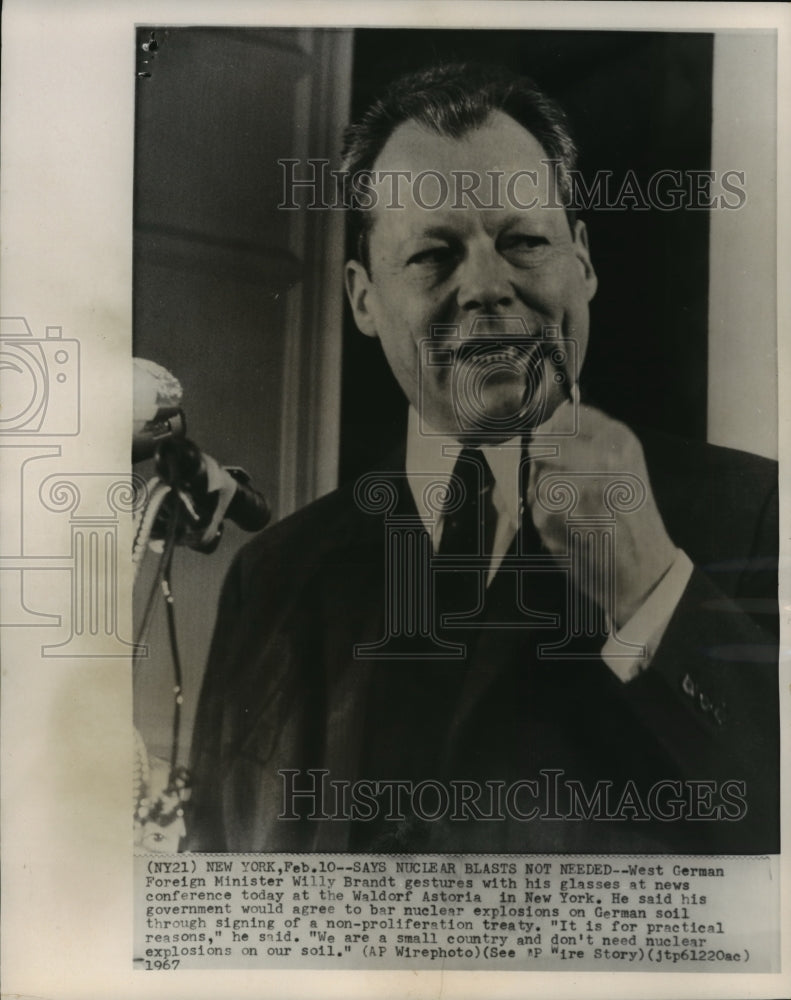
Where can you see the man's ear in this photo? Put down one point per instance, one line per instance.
(582, 250)
(358, 287)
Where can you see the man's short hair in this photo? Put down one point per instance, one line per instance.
(451, 99)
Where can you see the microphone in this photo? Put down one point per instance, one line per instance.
(156, 410)
(183, 466)
(209, 492)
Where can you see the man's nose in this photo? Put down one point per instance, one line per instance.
(484, 280)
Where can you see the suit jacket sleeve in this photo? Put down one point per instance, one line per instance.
(710, 694)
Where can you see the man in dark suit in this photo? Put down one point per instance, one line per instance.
(533, 629)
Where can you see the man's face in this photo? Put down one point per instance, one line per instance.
(487, 272)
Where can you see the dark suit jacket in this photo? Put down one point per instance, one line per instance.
(283, 690)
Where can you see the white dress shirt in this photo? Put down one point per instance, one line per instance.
(435, 456)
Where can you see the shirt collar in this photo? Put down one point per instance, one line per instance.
(431, 457)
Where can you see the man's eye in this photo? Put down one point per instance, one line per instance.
(524, 242)
(432, 256)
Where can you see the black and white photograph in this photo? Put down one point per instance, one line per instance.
(537, 613)
(394, 556)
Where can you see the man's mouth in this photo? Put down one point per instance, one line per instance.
(498, 328)
(501, 361)
(498, 380)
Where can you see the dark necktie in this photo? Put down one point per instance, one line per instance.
(412, 702)
(467, 533)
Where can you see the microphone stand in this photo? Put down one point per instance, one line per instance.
(187, 503)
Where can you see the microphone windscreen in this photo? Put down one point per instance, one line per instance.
(154, 389)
